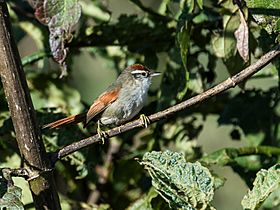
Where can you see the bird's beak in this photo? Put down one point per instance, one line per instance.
(153, 74)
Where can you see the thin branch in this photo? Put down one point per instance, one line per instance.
(259, 150)
(229, 83)
(228, 156)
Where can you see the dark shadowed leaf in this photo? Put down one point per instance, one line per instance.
(247, 115)
(145, 201)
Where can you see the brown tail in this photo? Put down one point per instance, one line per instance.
(74, 119)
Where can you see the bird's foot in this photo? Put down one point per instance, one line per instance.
(145, 120)
(102, 134)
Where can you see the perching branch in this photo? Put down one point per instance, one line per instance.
(229, 83)
(28, 136)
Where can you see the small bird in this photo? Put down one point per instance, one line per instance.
(120, 102)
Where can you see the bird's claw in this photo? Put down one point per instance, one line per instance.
(145, 120)
(102, 134)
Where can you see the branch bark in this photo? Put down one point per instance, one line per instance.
(28, 134)
(229, 83)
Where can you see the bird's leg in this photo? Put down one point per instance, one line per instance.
(102, 134)
(145, 120)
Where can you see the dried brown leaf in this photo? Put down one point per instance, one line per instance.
(242, 38)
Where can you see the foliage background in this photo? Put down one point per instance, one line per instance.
(164, 35)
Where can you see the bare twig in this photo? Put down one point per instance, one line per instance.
(229, 83)
(28, 134)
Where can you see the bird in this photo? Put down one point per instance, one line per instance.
(119, 103)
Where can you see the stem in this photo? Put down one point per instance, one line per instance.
(28, 135)
(227, 156)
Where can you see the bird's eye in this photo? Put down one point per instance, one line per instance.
(144, 74)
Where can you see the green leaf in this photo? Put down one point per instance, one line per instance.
(271, 4)
(266, 13)
(183, 185)
(10, 195)
(190, 4)
(145, 201)
(221, 157)
(183, 41)
(232, 155)
(200, 3)
(231, 23)
(163, 6)
(12, 199)
(76, 159)
(273, 200)
(94, 11)
(266, 182)
(36, 33)
(224, 44)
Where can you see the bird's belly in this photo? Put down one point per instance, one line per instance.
(123, 110)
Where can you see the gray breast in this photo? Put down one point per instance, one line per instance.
(128, 104)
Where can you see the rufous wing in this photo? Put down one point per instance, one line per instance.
(101, 103)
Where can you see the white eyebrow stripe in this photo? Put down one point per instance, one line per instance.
(138, 71)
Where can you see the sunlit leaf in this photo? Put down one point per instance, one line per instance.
(265, 183)
(10, 195)
(182, 184)
(60, 17)
(94, 11)
(273, 200)
(144, 202)
(266, 13)
(221, 157)
(200, 3)
(224, 44)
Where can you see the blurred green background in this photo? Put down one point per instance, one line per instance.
(205, 128)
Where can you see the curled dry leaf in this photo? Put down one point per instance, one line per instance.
(60, 17)
(242, 38)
